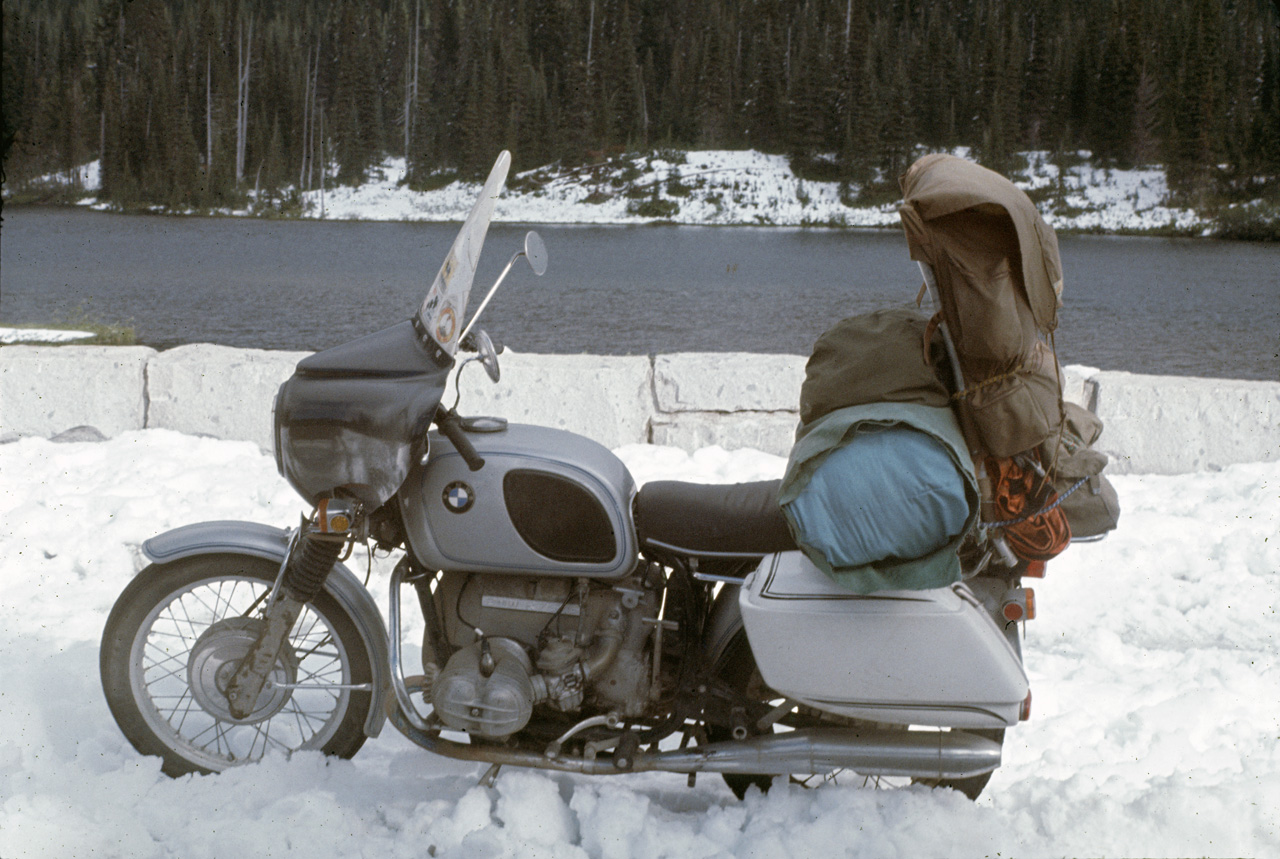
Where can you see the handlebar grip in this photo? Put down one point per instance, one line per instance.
(451, 427)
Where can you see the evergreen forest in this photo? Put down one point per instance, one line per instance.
(194, 103)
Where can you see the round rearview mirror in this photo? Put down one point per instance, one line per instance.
(536, 252)
(488, 354)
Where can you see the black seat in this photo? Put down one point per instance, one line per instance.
(712, 519)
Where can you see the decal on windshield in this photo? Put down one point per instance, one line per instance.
(450, 266)
(446, 325)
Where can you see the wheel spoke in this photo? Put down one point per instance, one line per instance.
(181, 664)
(262, 731)
(258, 600)
(305, 721)
(186, 617)
(186, 711)
(322, 673)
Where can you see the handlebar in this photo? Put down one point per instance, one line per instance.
(451, 427)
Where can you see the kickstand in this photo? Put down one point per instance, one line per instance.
(490, 776)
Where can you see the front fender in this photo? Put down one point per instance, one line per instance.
(265, 541)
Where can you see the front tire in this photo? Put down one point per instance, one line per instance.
(176, 635)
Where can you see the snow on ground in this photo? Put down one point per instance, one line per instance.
(722, 187)
(1153, 666)
(41, 335)
(88, 176)
(1104, 199)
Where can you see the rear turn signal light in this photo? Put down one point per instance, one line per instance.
(1024, 712)
(1019, 604)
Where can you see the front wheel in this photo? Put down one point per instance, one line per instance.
(175, 638)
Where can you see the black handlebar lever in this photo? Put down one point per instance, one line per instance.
(451, 427)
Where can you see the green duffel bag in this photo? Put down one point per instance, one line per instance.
(1086, 496)
(875, 357)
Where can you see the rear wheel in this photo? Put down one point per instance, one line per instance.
(737, 667)
(176, 636)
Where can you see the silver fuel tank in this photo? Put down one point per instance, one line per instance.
(547, 502)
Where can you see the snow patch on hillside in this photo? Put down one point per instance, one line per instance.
(88, 177)
(716, 187)
(721, 187)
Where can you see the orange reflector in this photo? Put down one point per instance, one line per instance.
(1031, 604)
(1024, 712)
(1035, 569)
(1012, 611)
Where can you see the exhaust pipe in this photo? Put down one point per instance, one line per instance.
(917, 754)
(912, 754)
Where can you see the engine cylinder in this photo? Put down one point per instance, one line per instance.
(470, 697)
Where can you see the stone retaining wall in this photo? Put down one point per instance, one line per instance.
(1154, 424)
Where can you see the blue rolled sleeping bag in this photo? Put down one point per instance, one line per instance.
(890, 492)
(880, 496)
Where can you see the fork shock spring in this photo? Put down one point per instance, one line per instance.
(312, 559)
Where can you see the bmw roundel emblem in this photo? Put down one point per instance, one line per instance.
(458, 497)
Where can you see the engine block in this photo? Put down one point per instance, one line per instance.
(527, 641)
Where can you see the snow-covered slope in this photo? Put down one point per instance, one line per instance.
(723, 187)
(1153, 666)
(739, 187)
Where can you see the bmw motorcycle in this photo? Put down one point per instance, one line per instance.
(571, 622)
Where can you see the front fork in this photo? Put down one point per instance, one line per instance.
(315, 548)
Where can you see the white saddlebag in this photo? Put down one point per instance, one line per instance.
(932, 657)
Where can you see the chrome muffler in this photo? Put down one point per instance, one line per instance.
(928, 754)
(917, 754)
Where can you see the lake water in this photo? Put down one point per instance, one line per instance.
(1172, 306)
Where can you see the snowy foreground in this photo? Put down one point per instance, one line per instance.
(1153, 665)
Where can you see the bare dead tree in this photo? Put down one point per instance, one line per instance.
(208, 112)
(245, 54)
(411, 81)
(311, 125)
(306, 121)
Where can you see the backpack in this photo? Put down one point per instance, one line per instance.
(997, 272)
(999, 281)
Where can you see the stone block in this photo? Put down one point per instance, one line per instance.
(1173, 425)
(1078, 386)
(218, 391)
(771, 432)
(605, 398)
(45, 390)
(727, 382)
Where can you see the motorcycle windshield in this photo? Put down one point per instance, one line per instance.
(446, 301)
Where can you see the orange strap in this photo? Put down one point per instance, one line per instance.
(1019, 494)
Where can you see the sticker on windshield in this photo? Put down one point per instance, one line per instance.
(450, 266)
(446, 325)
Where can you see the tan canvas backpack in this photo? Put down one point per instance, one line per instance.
(997, 276)
(999, 280)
